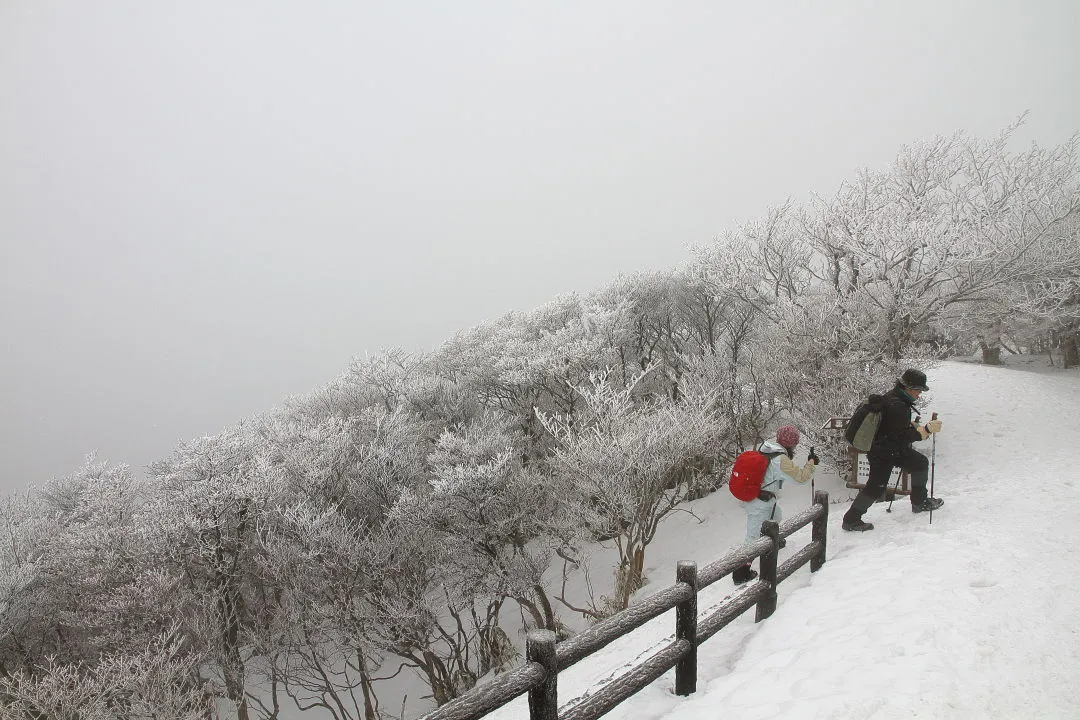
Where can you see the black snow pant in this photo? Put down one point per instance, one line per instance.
(881, 469)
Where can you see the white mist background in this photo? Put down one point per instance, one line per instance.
(207, 206)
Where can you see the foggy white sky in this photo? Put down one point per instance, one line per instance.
(207, 206)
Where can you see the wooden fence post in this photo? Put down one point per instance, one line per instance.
(686, 628)
(817, 531)
(767, 604)
(543, 699)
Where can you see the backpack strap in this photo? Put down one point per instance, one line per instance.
(770, 456)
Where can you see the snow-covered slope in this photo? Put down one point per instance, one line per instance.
(974, 616)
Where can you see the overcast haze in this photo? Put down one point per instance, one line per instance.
(208, 206)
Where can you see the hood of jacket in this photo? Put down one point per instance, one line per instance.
(771, 446)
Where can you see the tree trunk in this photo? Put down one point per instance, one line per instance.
(1071, 352)
(991, 355)
(633, 576)
(438, 678)
(371, 705)
(549, 612)
(233, 670)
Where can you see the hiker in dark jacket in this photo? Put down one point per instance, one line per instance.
(892, 448)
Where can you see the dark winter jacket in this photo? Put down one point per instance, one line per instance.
(895, 431)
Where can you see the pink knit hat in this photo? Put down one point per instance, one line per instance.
(788, 436)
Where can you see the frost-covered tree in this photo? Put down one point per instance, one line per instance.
(942, 235)
(81, 596)
(338, 479)
(357, 464)
(490, 527)
(72, 568)
(148, 683)
(618, 455)
(505, 520)
(654, 333)
(524, 361)
(323, 646)
(1038, 302)
(208, 502)
(796, 344)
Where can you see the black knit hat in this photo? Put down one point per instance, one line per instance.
(914, 379)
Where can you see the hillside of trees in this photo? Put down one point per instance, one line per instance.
(384, 522)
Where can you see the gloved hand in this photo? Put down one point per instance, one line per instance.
(813, 458)
(765, 496)
(933, 426)
(923, 432)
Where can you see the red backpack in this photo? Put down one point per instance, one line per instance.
(749, 471)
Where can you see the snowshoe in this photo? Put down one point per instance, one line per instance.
(927, 504)
(857, 526)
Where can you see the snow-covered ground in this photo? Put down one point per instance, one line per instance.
(974, 616)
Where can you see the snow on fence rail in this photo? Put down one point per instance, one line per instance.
(544, 659)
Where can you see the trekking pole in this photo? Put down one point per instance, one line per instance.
(899, 473)
(933, 457)
(815, 472)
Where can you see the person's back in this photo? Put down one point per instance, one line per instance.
(895, 431)
(782, 468)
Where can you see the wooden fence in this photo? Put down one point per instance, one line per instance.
(539, 675)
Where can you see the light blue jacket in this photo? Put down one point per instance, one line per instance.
(774, 475)
(781, 469)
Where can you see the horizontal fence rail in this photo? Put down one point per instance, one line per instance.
(545, 659)
(732, 607)
(625, 686)
(603, 633)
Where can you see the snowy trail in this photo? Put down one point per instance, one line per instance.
(974, 616)
(971, 616)
(964, 611)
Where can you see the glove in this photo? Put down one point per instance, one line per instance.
(813, 458)
(765, 496)
(923, 432)
(933, 426)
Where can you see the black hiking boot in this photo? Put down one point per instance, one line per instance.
(743, 574)
(927, 504)
(857, 525)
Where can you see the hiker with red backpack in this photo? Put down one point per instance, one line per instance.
(890, 447)
(757, 479)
